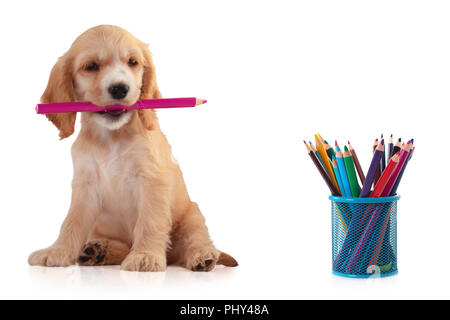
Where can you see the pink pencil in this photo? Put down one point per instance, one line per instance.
(63, 107)
(403, 156)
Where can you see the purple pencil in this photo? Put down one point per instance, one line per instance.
(374, 165)
(63, 107)
(357, 253)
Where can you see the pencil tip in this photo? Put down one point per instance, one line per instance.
(335, 143)
(399, 139)
(325, 141)
(381, 136)
(412, 141)
(391, 135)
(382, 142)
(345, 148)
(200, 101)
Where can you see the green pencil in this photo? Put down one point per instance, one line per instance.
(329, 149)
(351, 173)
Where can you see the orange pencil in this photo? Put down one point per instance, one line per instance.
(323, 154)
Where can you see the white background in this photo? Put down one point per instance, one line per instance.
(274, 73)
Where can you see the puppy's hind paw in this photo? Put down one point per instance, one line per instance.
(93, 253)
(202, 260)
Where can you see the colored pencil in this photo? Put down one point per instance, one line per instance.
(343, 172)
(356, 255)
(397, 146)
(320, 138)
(343, 207)
(336, 172)
(372, 170)
(403, 157)
(381, 240)
(351, 173)
(329, 150)
(383, 160)
(322, 172)
(375, 144)
(63, 107)
(360, 171)
(360, 256)
(377, 173)
(390, 148)
(385, 176)
(323, 154)
(412, 152)
(407, 155)
(316, 153)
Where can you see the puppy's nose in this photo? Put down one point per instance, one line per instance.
(118, 91)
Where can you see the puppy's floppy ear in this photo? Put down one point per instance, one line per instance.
(60, 89)
(149, 89)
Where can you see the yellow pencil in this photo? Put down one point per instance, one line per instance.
(323, 154)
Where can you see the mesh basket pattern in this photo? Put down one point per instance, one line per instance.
(364, 236)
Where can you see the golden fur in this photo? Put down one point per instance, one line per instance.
(129, 203)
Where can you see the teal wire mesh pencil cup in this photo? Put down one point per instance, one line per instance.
(364, 236)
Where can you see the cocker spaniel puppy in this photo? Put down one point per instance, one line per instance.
(129, 200)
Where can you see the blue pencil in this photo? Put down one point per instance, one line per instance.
(343, 172)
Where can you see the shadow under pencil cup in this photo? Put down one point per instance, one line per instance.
(364, 236)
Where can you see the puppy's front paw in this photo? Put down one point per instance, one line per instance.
(52, 257)
(144, 261)
(202, 259)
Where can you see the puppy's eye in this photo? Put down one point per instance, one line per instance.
(132, 62)
(92, 67)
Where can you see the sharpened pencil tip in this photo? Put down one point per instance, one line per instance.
(399, 139)
(345, 148)
(391, 135)
(382, 142)
(335, 143)
(199, 101)
(381, 136)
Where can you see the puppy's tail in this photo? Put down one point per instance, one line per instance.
(227, 260)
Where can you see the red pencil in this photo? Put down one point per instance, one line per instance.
(387, 173)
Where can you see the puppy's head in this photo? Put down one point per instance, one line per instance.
(105, 65)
